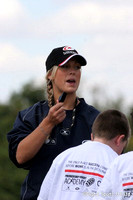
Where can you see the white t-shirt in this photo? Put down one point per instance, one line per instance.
(77, 172)
(118, 181)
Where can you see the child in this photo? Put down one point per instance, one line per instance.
(77, 172)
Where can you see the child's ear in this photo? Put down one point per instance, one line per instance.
(119, 139)
(92, 137)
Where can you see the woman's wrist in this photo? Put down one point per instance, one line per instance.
(46, 127)
(43, 131)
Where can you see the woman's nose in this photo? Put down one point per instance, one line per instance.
(72, 70)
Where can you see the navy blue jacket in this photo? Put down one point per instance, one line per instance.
(27, 120)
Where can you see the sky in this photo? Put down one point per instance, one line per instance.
(101, 31)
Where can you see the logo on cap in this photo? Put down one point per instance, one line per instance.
(67, 48)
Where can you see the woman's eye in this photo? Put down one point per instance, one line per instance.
(78, 67)
(64, 66)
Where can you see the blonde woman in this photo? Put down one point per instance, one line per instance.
(47, 128)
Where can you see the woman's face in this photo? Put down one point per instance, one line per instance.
(67, 77)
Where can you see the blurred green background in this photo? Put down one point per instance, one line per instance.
(11, 177)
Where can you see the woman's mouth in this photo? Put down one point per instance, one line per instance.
(71, 82)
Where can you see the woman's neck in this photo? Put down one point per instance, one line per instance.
(70, 102)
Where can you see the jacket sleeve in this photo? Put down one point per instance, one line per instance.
(25, 123)
(47, 184)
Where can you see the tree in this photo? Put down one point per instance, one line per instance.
(11, 178)
(28, 95)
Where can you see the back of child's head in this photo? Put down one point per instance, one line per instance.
(109, 124)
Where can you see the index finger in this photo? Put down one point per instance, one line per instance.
(58, 106)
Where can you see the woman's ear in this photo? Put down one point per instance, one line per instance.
(49, 76)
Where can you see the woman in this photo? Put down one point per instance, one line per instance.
(47, 128)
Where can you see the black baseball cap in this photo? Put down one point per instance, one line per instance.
(59, 56)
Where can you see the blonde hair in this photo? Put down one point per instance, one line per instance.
(50, 94)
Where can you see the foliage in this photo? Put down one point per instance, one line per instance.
(130, 145)
(28, 95)
(11, 177)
